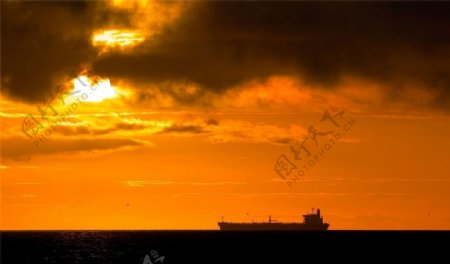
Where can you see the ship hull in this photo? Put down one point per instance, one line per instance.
(270, 226)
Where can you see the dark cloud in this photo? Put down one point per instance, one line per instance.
(89, 130)
(44, 43)
(41, 42)
(218, 44)
(22, 149)
(120, 126)
(221, 44)
(212, 122)
(283, 140)
(192, 129)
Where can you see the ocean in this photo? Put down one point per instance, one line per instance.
(148, 247)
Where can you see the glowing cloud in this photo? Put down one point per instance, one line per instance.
(117, 38)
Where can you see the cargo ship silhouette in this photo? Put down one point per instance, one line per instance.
(312, 221)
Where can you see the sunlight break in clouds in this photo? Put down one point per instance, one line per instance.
(115, 38)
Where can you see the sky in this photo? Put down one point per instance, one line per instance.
(173, 114)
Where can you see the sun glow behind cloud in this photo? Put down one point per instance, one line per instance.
(96, 90)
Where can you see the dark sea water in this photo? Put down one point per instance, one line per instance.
(215, 247)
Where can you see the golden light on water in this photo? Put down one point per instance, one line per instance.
(117, 38)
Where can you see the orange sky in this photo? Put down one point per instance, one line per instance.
(134, 156)
(388, 172)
